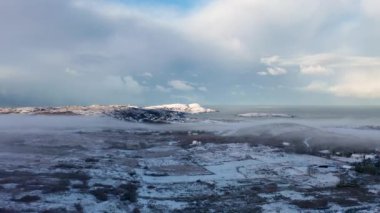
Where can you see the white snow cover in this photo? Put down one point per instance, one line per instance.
(234, 162)
(80, 110)
(265, 115)
(100, 109)
(188, 108)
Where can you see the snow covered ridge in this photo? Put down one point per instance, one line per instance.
(187, 108)
(155, 114)
(265, 115)
(101, 109)
(65, 110)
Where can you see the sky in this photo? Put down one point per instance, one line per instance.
(256, 52)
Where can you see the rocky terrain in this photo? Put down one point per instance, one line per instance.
(148, 115)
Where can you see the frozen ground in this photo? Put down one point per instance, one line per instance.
(97, 164)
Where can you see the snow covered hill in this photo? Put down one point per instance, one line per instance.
(153, 114)
(187, 108)
(65, 110)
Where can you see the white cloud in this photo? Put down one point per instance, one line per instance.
(72, 72)
(358, 85)
(125, 84)
(371, 9)
(7, 72)
(272, 60)
(313, 69)
(261, 26)
(262, 73)
(273, 64)
(317, 86)
(276, 71)
(349, 76)
(203, 89)
(180, 85)
(147, 74)
(325, 63)
(223, 40)
(162, 89)
(132, 85)
(308, 64)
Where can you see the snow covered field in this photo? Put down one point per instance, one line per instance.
(100, 164)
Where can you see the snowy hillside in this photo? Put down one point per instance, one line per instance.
(154, 114)
(101, 109)
(65, 110)
(187, 108)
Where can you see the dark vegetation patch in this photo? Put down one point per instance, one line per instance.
(312, 204)
(40, 149)
(243, 201)
(7, 210)
(14, 176)
(91, 160)
(345, 201)
(130, 144)
(118, 145)
(100, 194)
(348, 180)
(59, 186)
(77, 175)
(128, 192)
(55, 210)
(28, 199)
(150, 187)
(241, 197)
(67, 166)
(148, 115)
(368, 166)
(217, 207)
(80, 186)
(78, 207)
(136, 210)
(125, 192)
(265, 188)
(360, 194)
(348, 183)
(346, 195)
(46, 182)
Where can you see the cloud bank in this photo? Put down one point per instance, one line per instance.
(84, 52)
